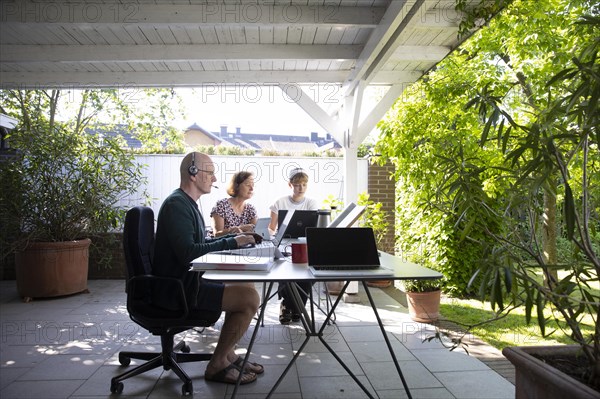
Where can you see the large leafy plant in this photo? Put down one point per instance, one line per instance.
(373, 217)
(515, 173)
(59, 182)
(554, 159)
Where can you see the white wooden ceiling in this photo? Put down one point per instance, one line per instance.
(347, 44)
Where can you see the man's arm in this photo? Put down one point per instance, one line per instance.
(185, 236)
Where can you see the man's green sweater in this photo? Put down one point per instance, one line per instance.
(180, 238)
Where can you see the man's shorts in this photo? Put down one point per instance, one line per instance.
(210, 296)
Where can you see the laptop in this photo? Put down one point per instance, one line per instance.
(220, 261)
(262, 228)
(349, 216)
(267, 248)
(299, 222)
(344, 252)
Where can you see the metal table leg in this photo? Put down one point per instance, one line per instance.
(308, 321)
(385, 337)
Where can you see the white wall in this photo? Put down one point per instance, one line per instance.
(270, 173)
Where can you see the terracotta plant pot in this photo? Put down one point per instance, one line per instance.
(379, 283)
(537, 379)
(424, 307)
(49, 269)
(335, 287)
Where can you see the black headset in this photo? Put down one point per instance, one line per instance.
(193, 169)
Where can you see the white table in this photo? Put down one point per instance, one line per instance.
(286, 271)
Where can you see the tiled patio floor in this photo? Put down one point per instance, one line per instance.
(68, 347)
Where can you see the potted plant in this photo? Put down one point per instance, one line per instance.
(423, 299)
(551, 179)
(60, 186)
(375, 218)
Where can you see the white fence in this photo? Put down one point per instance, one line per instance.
(326, 177)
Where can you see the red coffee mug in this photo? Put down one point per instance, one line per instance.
(299, 252)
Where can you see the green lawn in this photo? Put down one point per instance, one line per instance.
(509, 331)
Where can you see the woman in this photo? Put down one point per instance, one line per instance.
(233, 215)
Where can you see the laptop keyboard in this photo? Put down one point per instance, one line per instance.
(265, 248)
(373, 267)
(351, 272)
(264, 244)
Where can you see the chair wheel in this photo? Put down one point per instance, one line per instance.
(124, 360)
(187, 389)
(116, 387)
(185, 348)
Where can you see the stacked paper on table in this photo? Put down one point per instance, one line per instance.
(220, 261)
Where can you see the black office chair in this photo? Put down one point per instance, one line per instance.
(138, 243)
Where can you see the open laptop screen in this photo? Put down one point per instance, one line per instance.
(262, 228)
(299, 222)
(342, 247)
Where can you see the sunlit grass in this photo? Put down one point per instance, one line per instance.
(511, 330)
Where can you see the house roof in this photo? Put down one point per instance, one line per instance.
(117, 131)
(204, 131)
(8, 121)
(281, 143)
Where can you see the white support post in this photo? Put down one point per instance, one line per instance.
(351, 194)
(352, 115)
(350, 175)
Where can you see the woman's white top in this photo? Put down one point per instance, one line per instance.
(309, 204)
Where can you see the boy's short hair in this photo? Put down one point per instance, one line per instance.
(297, 175)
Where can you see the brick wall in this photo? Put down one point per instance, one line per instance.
(382, 189)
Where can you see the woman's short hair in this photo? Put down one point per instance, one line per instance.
(298, 175)
(233, 187)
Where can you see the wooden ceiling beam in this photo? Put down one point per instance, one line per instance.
(176, 53)
(87, 15)
(129, 80)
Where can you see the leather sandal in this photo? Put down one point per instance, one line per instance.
(257, 368)
(223, 376)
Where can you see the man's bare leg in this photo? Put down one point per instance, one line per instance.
(240, 304)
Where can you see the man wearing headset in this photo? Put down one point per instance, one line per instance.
(180, 238)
